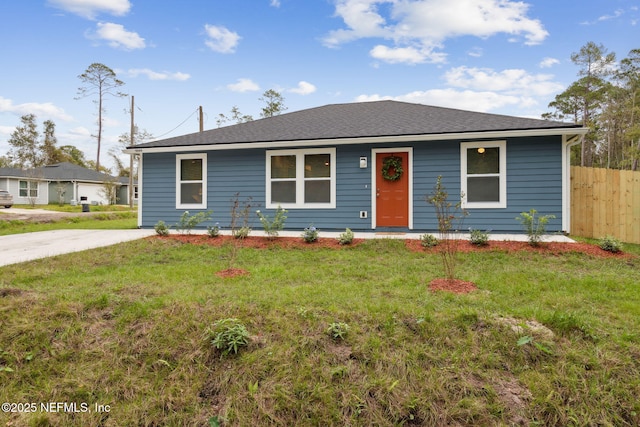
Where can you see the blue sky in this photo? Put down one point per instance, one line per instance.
(498, 56)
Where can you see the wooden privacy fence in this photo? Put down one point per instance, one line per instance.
(605, 202)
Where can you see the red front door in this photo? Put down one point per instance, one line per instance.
(392, 197)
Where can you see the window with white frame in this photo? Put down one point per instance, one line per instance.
(301, 178)
(191, 181)
(484, 174)
(29, 189)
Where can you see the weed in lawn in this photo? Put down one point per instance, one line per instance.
(229, 336)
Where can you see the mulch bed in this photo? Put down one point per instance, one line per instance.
(509, 246)
(455, 285)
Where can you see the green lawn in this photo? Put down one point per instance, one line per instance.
(126, 326)
(105, 220)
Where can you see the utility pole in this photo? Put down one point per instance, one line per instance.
(131, 156)
(201, 119)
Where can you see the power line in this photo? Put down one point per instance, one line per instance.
(183, 122)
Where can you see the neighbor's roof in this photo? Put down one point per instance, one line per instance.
(58, 172)
(359, 120)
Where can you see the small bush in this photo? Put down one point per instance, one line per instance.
(161, 228)
(229, 336)
(310, 234)
(479, 238)
(346, 238)
(428, 241)
(188, 222)
(273, 227)
(338, 330)
(214, 231)
(241, 233)
(534, 225)
(610, 244)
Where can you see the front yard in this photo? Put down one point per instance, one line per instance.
(122, 334)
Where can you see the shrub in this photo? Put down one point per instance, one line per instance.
(161, 228)
(610, 244)
(214, 231)
(534, 225)
(450, 218)
(428, 241)
(346, 238)
(241, 233)
(229, 335)
(240, 227)
(338, 330)
(479, 238)
(272, 227)
(310, 234)
(188, 222)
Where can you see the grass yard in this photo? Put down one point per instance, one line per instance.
(548, 339)
(106, 220)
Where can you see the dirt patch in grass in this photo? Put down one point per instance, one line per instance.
(232, 272)
(10, 292)
(456, 286)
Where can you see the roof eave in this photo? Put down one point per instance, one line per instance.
(570, 131)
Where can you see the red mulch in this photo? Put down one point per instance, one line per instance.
(456, 286)
(508, 246)
(260, 242)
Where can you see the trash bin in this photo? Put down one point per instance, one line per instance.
(85, 204)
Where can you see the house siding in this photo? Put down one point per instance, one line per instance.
(534, 180)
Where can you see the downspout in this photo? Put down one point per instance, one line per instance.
(567, 143)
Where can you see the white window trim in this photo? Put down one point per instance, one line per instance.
(30, 185)
(300, 204)
(179, 158)
(502, 203)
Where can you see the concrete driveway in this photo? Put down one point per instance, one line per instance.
(17, 248)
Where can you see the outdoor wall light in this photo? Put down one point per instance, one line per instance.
(481, 150)
(363, 162)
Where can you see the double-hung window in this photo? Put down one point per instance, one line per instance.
(29, 189)
(484, 174)
(301, 178)
(191, 181)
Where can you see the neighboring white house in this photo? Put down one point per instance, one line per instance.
(60, 183)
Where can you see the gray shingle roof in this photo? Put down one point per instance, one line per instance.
(58, 172)
(358, 120)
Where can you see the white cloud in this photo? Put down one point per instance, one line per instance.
(484, 90)
(42, 110)
(154, 75)
(275, 3)
(407, 55)
(419, 27)
(243, 85)
(91, 8)
(475, 52)
(220, 39)
(510, 81)
(452, 98)
(304, 88)
(548, 62)
(118, 37)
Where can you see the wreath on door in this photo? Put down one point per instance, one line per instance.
(392, 168)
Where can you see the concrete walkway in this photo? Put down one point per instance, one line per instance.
(17, 248)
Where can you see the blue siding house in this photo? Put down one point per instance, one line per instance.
(366, 166)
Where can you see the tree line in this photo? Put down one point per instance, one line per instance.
(605, 99)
